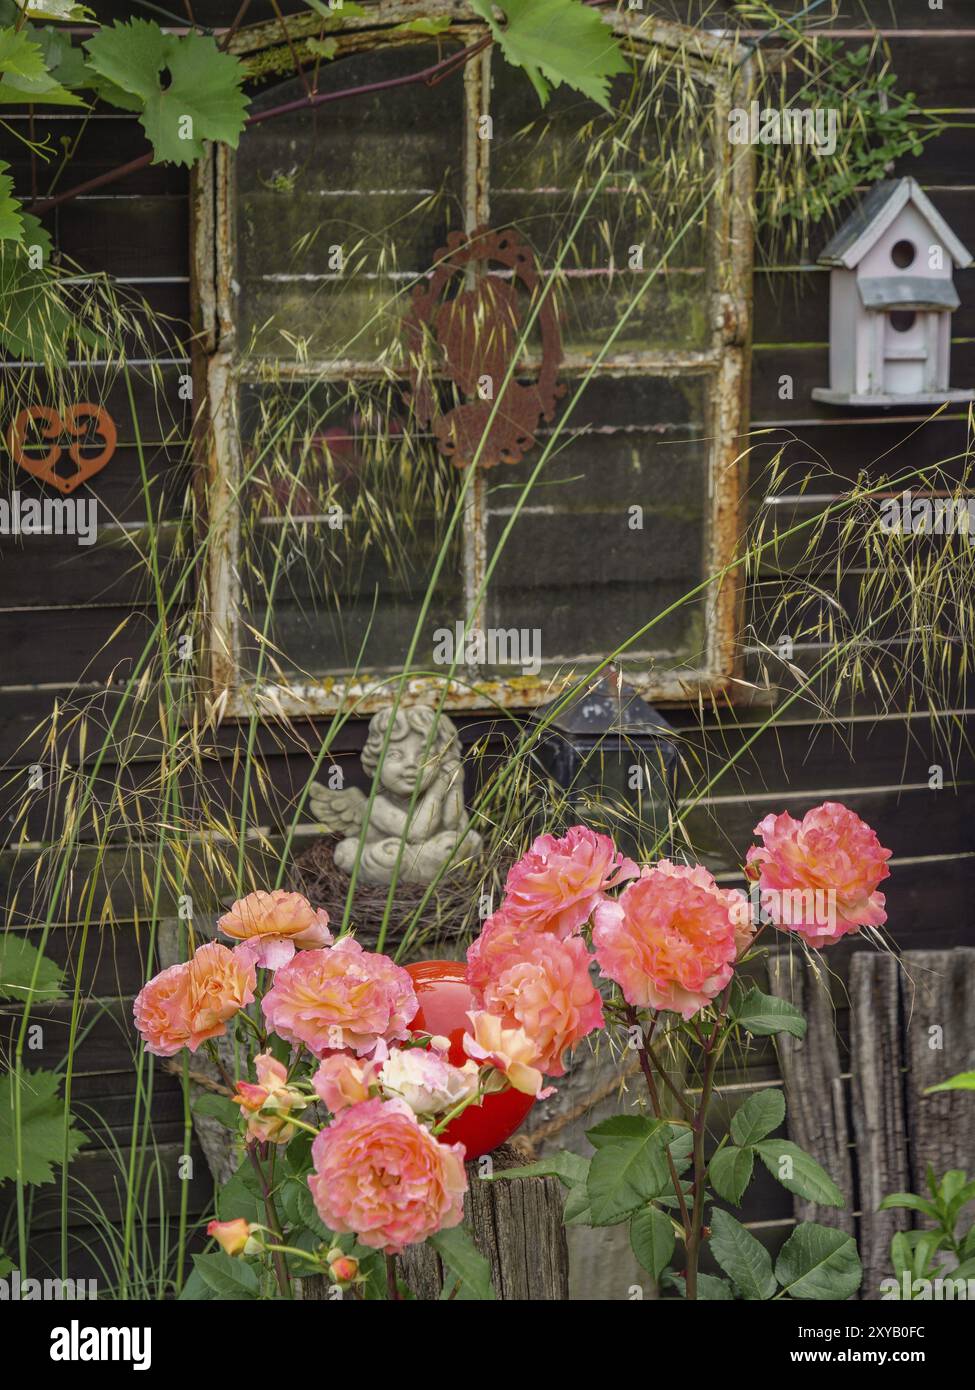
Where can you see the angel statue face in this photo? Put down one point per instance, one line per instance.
(409, 761)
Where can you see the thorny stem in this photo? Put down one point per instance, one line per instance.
(712, 1050)
(274, 1224)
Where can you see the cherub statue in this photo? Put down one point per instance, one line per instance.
(419, 756)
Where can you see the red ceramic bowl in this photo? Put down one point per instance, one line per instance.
(445, 1001)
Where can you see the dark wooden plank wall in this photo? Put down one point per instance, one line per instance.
(57, 609)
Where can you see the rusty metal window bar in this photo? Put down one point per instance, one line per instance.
(678, 375)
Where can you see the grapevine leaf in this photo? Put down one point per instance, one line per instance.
(201, 100)
(557, 41)
(42, 1127)
(24, 75)
(11, 221)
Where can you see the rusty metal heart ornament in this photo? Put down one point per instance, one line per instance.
(74, 422)
(475, 333)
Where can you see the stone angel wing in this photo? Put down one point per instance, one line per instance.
(339, 812)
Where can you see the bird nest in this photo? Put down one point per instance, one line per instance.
(448, 914)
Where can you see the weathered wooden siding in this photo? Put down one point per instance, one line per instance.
(59, 606)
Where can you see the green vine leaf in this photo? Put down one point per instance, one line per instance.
(557, 41)
(11, 218)
(43, 1132)
(202, 99)
(19, 960)
(24, 76)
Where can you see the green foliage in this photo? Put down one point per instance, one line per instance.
(948, 1251)
(469, 1272)
(652, 1239)
(223, 1278)
(24, 76)
(758, 1116)
(964, 1081)
(744, 1259)
(629, 1167)
(557, 41)
(819, 1262)
(44, 1133)
(27, 974)
(11, 220)
(799, 1172)
(219, 1108)
(569, 1168)
(730, 1172)
(762, 1015)
(187, 90)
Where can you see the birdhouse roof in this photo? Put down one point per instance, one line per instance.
(875, 214)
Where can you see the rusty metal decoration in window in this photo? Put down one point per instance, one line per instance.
(75, 422)
(476, 333)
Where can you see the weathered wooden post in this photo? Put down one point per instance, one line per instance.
(516, 1225)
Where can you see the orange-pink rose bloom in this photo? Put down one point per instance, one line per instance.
(342, 997)
(819, 876)
(272, 924)
(269, 1104)
(343, 1080)
(669, 939)
(381, 1175)
(556, 886)
(539, 983)
(188, 1003)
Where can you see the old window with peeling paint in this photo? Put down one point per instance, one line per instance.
(346, 544)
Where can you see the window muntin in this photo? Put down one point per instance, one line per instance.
(656, 427)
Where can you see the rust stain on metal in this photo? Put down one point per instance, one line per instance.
(476, 332)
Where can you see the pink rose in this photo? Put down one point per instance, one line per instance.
(556, 886)
(272, 924)
(382, 1176)
(193, 1001)
(537, 982)
(669, 939)
(342, 997)
(270, 1103)
(819, 876)
(343, 1080)
(510, 1050)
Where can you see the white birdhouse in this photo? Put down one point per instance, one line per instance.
(892, 294)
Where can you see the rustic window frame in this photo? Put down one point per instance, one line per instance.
(231, 689)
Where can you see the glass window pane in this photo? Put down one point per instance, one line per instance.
(344, 514)
(545, 163)
(339, 208)
(613, 532)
